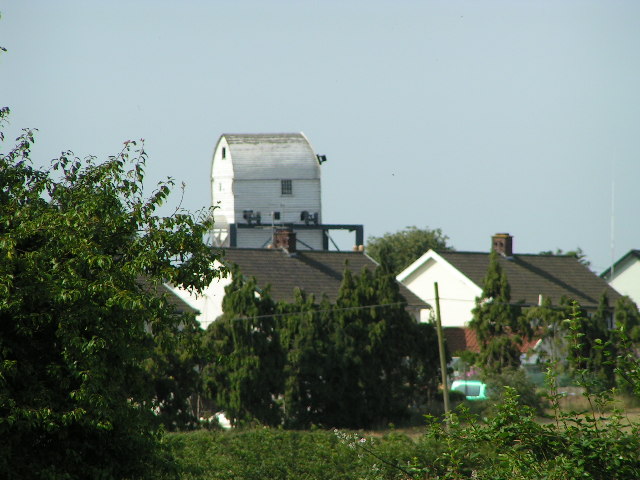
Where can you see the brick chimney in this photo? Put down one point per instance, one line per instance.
(502, 243)
(285, 238)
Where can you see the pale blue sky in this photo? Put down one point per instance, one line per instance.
(473, 116)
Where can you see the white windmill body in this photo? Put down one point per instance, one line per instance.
(264, 181)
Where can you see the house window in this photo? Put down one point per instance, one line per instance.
(224, 152)
(286, 187)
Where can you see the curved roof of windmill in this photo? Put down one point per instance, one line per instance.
(271, 156)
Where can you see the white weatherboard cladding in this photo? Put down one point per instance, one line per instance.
(265, 196)
(457, 294)
(222, 186)
(246, 174)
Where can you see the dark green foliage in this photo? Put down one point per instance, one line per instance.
(312, 364)
(361, 362)
(245, 371)
(388, 360)
(516, 379)
(76, 325)
(398, 250)
(513, 445)
(592, 351)
(550, 324)
(627, 319)
(284, 455)
(174, 373)
(509, 444)
(499, 324)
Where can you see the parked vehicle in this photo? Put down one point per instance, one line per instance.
(473, 389)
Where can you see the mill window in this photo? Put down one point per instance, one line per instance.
(286, 187)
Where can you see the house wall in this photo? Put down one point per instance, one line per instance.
(208, 303)
(457, 294)
(627, 280)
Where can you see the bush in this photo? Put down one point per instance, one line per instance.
(512, 445)
(517, 379)
(281, 454)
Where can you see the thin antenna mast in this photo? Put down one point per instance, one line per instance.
(613, 212)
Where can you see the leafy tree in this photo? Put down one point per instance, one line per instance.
(76, 325)
(549, 322)
(627, 319)
(401, 249)
(245, 373)
(593, 351)
(499, 324)
(174, 373)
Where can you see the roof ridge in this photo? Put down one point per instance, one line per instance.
(468, 252)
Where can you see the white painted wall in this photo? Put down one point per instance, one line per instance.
(208, 303)
(627, 280)
(457, 293)
(222, 183)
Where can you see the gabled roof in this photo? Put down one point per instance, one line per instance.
(631, 254)
(272, 156)
(530, 275)
(317, 272)
(461, 339)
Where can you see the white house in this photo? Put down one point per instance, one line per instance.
(624, 275)
(460, 277)
(259, 181)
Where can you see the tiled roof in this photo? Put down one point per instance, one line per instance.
(529, 276)
(317, 272)
(463, 338)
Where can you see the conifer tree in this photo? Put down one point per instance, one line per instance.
(382, 347)
(594, 352)
(499, 324)
(245, 373)
(361, 362)
(306, 332)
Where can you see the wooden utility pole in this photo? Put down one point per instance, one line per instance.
(443, 359)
